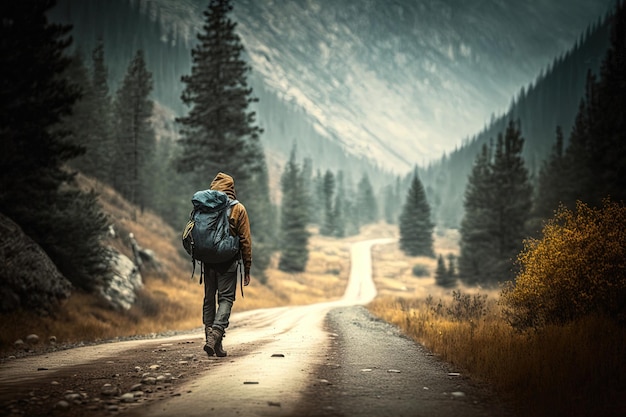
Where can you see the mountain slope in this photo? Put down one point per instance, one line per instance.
(396, 82)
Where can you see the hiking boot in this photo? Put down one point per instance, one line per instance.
(210, 339)
(219, 350)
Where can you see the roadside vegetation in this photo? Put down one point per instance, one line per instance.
(551, 346)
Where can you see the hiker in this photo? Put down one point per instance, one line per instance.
(221, 278)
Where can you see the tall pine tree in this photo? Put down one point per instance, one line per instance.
(328, 225)
(416, 226)
(367, 206)
(294, 219)
(497, 206)
(479, 225)
(135, 137)
(100, 143)
(219, 132)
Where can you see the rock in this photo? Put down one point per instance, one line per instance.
(458, 394)
(149, 380)
(136, 387)
(73, 397)
(19, 344)
(120, 290)
(52, 340)
(28, 278)
(33, 339)
(154, 367)
(129, 397)
(393, 371)
(109, 390)
(62, 405)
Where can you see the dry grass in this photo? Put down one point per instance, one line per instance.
(574, 370)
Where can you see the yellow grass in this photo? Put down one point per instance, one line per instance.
(574, 370)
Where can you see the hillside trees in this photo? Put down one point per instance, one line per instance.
(37, 190)
(497, 204)
(294, 219)
(416, 226)
(593, 165)
(135, 139)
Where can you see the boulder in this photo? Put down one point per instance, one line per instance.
(28, 278)
(120, 290)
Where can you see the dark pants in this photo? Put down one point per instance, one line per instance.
(221, 287)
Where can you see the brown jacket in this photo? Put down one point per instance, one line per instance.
(239, 222)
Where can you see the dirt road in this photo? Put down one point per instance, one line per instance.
(329, 359)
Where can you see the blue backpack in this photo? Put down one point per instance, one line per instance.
(206, 236)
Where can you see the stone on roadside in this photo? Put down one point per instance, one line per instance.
(149, 380)
(62, 405)
(109, 390)
(52, 340)
(73, 397)
(19, 344)
(128, 397)
(136, 387)
(32, 339)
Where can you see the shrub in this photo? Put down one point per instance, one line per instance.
(420, 270)
(578, 267)
(465, 307)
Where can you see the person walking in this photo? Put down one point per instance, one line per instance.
(220, 280)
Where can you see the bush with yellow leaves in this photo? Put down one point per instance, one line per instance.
(577, 268)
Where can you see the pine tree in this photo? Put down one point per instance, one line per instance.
(367, 206)
(135, 137)
(218, 133)
(38, 192)
(328, 224)
(478, 227)
(497, 205)
(263, 221)
(416, 227)
(443, 276)
(607, 117)
(294, 219)
(513, 195)
(339, 210)
(100, 143)
(550, 184)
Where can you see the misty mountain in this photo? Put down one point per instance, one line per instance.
(404, 81)
(397, 82)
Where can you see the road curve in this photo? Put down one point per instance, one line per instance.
(288, 347)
